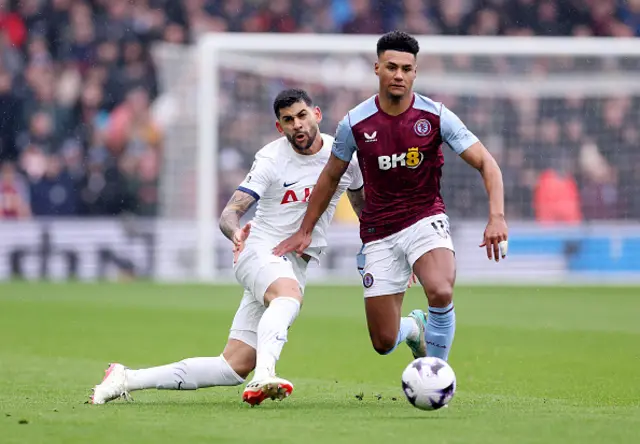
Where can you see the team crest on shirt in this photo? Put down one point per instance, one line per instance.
(422, 127)
(367, 280)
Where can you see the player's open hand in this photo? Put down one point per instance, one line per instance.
(412, 280)
(239, 237)
(495, 238)
(298, 242)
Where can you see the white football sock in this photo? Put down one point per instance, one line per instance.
(413, 329)
(188, 374)
(272, 334)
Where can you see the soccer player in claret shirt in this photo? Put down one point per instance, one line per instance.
(397, 135)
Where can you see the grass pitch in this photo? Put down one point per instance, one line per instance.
(548, 365)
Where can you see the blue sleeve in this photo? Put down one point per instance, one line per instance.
(454, 132)
(344, 144)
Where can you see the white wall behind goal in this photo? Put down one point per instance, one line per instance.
(163, 251)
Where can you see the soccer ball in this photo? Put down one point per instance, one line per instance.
(429, 383)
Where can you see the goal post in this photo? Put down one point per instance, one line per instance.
(465, 69)
(208, 148)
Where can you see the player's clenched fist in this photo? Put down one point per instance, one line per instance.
(298, 242)
(495, 238)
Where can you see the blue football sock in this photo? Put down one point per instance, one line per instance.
(407, 326)
(441, 327)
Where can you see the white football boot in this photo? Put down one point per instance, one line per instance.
(419, 345)
(270, 387)
(113, 386)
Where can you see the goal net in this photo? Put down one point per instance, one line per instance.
(559, 114)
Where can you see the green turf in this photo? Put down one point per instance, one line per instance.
(552, 365)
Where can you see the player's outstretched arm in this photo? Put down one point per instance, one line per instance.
(496, 233)
(318, 202)
(237, 206)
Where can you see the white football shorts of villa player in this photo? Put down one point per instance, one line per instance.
(281, 180)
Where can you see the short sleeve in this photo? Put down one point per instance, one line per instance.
(259, 177)
(344, 144)
(357, 181)
(454, 132)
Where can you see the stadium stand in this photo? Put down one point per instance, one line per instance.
(77, 137)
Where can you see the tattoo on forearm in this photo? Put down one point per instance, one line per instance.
(356, 198)
(237, 206)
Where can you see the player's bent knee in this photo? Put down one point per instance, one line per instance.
(384, 343)
(440, 295)
(283, 287)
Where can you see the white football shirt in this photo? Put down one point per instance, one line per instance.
(281, 180)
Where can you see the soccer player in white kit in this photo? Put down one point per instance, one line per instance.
(281, 179)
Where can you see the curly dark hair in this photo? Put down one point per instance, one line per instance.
(288, 97)
(398, 41)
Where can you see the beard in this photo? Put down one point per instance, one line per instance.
(311, 137)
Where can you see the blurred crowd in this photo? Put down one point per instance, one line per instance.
(77, 80)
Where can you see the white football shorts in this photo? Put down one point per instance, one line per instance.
(255, 270)
(389, 261)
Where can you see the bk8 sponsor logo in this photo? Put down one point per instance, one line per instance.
(411, 159)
